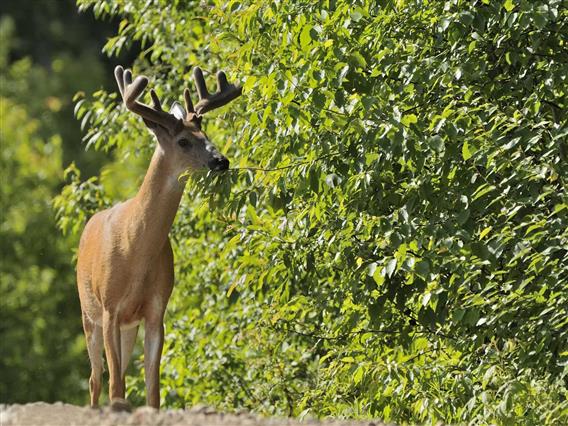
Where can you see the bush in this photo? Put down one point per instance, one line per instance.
(391, 241)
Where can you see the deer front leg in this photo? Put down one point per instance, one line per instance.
(111, 337)
(153, 344)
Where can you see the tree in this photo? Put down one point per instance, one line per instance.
(42, 350)
(391, 241)
(39, 336)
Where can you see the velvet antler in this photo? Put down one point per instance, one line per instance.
(226, 92)
(131, 90)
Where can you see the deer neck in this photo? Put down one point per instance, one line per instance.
(156, 204)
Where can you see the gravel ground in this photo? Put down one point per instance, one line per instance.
(59, 414)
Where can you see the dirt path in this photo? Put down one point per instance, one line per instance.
(59, 414)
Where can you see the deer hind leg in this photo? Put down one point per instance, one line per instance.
(94, 337)
(127, 340)
(111, 337)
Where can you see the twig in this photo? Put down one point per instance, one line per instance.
(289, 166)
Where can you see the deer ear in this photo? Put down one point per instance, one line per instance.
(177, 111)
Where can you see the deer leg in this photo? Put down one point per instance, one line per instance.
(153, 344)
(127, 340)
(94, 337)
(111, 337)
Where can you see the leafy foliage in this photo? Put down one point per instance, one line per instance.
(36, 272)
(392, 239)
(42, 351)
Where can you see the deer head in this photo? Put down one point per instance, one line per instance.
(179, 131)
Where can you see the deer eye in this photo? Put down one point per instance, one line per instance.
(184, 143)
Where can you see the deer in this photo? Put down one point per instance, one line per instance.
(125, 264)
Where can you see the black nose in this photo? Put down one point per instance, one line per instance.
(218, 164)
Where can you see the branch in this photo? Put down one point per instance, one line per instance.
(298, 164)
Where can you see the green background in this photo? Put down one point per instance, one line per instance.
(391, 241)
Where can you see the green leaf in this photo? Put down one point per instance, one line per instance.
(408, 119)
(422, 269)
(466, 153)
(471, 46)
(484, 232)
(358, 59)
(306, 38)
(356, 15)
(390, 267)
(436, 143)
(508, 5)
(488, 376)
(482, 190)
(371, 268)
(378, 277)
(358, 375)
(540, 20)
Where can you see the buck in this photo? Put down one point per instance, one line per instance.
(125, 271)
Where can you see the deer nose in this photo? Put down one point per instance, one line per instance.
(218, 164)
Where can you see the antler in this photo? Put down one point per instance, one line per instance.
(131, 90)
(226, 92)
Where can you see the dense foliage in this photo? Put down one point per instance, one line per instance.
(42, 354)
(392, 239)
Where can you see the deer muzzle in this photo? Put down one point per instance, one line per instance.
(218, 164)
